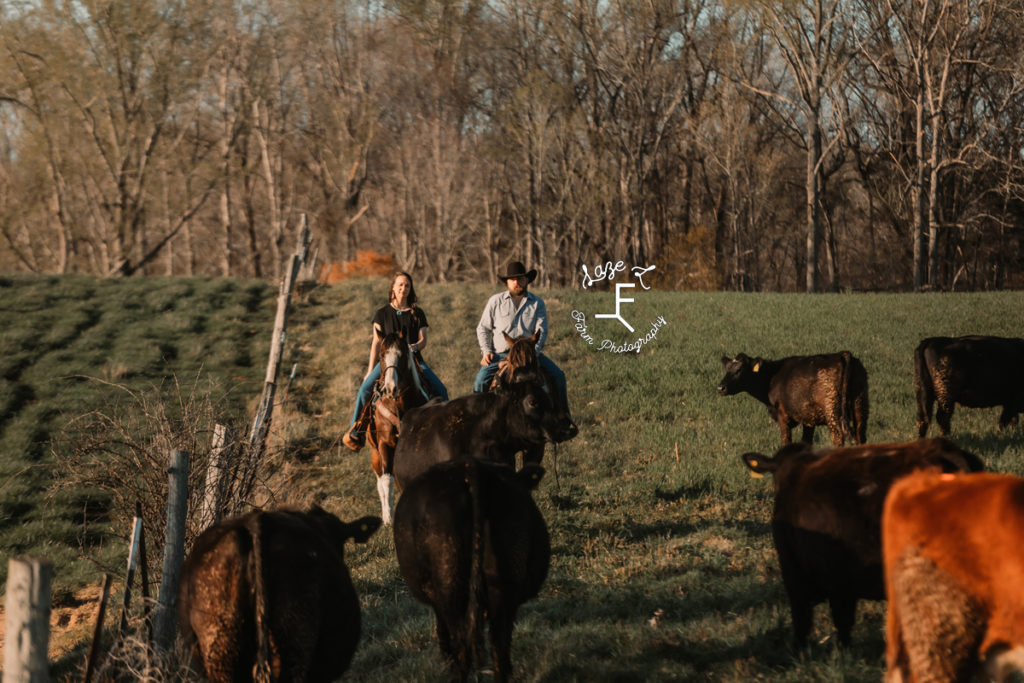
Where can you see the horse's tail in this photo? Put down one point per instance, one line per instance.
(262, 672)
(477, 588)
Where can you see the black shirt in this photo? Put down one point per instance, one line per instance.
(407, 322)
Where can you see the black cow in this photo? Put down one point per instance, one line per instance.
(827, 519)
(976, 372)
(267, 596)
(492, 426)
(827, 389)
(471, 542)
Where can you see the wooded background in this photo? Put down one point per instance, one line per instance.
(797, 145)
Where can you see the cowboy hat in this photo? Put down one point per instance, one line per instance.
(517, 269)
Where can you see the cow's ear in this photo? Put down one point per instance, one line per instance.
(361, 529)
(758, 464)
(508, 340)
(530, 475)
(726, 360)
(536, 336)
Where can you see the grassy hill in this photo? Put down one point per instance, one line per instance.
(650, 509)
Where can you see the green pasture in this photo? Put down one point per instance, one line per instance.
(662, 565)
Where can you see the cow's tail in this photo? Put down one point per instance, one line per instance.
(846, 411)
(261, 672)
(924, 389)
(477, 588)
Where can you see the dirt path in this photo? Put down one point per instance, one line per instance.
(71, 621)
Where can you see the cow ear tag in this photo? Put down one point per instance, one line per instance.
(757, 366)
(754, 463)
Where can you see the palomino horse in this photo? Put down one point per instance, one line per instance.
(399, 390)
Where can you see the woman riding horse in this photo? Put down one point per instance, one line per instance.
(400, 390)
(400, 315)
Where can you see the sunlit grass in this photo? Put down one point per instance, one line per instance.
(662, 565)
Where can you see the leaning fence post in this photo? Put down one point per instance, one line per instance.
(133, 560)
(165, 621)
(27, 637)
(261, 425)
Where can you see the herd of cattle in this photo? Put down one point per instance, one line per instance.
(267, 596)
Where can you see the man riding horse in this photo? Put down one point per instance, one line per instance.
(512, 314)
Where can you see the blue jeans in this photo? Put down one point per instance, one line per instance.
(434, 385)
(486, 374)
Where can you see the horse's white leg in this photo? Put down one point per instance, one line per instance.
(385, 488)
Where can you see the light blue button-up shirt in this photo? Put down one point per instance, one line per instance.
(501, 315)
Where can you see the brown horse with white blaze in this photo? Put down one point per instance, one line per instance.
(400, 390)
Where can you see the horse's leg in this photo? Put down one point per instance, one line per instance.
(385, 489)
(381, 462)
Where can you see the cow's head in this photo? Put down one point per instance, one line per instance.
(532, 415)
(739, 373)
(785, 458)
(338, 531)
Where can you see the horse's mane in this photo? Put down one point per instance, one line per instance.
(520, 362)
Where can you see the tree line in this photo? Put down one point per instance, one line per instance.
(798, 145)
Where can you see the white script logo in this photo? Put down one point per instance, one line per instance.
(608, 271)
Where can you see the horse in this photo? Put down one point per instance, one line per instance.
(521, 362)
(399, 389)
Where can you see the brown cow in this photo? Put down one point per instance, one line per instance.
(267, 595)
(976, 372)
(954, 572)
(828, 389)
(470, 541)
(826, 523)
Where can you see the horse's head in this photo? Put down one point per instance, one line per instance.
(396, 364)
(521, 362)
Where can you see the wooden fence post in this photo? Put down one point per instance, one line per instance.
(133, 561)
(261, 425)
(165, 620)
(213, 490)
(28, 621)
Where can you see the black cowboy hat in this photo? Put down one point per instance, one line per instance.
(517, 269)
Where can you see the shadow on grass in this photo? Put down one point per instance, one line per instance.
(991, 446)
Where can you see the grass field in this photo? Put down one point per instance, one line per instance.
(650, 508)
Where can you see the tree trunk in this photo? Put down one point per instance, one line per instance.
(813, 201)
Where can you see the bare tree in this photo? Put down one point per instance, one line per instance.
(814, 42)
